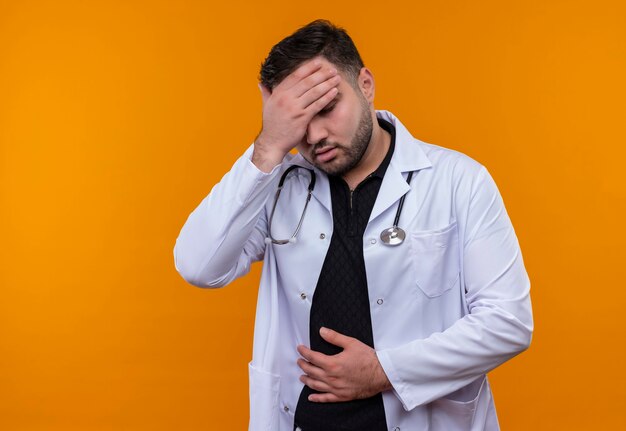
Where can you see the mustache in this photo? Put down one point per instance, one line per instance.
(320, 145)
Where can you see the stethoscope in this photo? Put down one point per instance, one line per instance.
(392, 236)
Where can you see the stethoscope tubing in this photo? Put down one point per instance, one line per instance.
(392, 236)
(396, 220)
(306, 204)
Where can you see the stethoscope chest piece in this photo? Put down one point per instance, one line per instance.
(393, 236)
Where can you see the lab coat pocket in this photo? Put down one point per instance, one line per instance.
(435, 257)
(458, 410)
(264, 400)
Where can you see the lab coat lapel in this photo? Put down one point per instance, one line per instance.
(407, 156)
(321, 192)
(393, 187)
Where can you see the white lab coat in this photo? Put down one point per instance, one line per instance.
(448, 305)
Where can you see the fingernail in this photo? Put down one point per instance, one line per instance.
(323, 331)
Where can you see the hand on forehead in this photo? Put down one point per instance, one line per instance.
(312, 70)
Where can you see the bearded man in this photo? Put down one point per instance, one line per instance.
(392, 278)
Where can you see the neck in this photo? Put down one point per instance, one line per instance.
(372, 158)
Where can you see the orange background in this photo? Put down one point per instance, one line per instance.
(117, 117)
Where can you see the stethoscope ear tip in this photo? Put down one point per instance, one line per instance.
(268, 240)
(292, 240)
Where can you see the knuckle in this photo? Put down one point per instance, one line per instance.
(283, 101)
(280, 102)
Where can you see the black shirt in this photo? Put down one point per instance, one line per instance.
(341, 301)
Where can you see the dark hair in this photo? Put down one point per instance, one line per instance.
(319, 37)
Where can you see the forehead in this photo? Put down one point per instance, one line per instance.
(319, 58)
(325, 64)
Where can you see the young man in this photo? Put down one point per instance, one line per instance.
(387, 298)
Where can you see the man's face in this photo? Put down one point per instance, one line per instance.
(339, 134)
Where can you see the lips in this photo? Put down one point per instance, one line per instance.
(325, 154)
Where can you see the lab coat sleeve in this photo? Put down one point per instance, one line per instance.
(499, 323)
(227, 231)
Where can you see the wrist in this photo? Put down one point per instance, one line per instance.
(266, 159)
(383, 383)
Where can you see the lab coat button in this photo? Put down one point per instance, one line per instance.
(380, 301)
(303, 295)
(372, 241)
(322, 235)
(286, 408)
(396, 429)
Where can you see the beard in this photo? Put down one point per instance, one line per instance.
(353, 153)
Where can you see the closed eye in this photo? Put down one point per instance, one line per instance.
(328, 108)
(331, 105)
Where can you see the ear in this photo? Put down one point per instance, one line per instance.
(367, 84)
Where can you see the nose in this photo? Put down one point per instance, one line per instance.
(316, 131)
